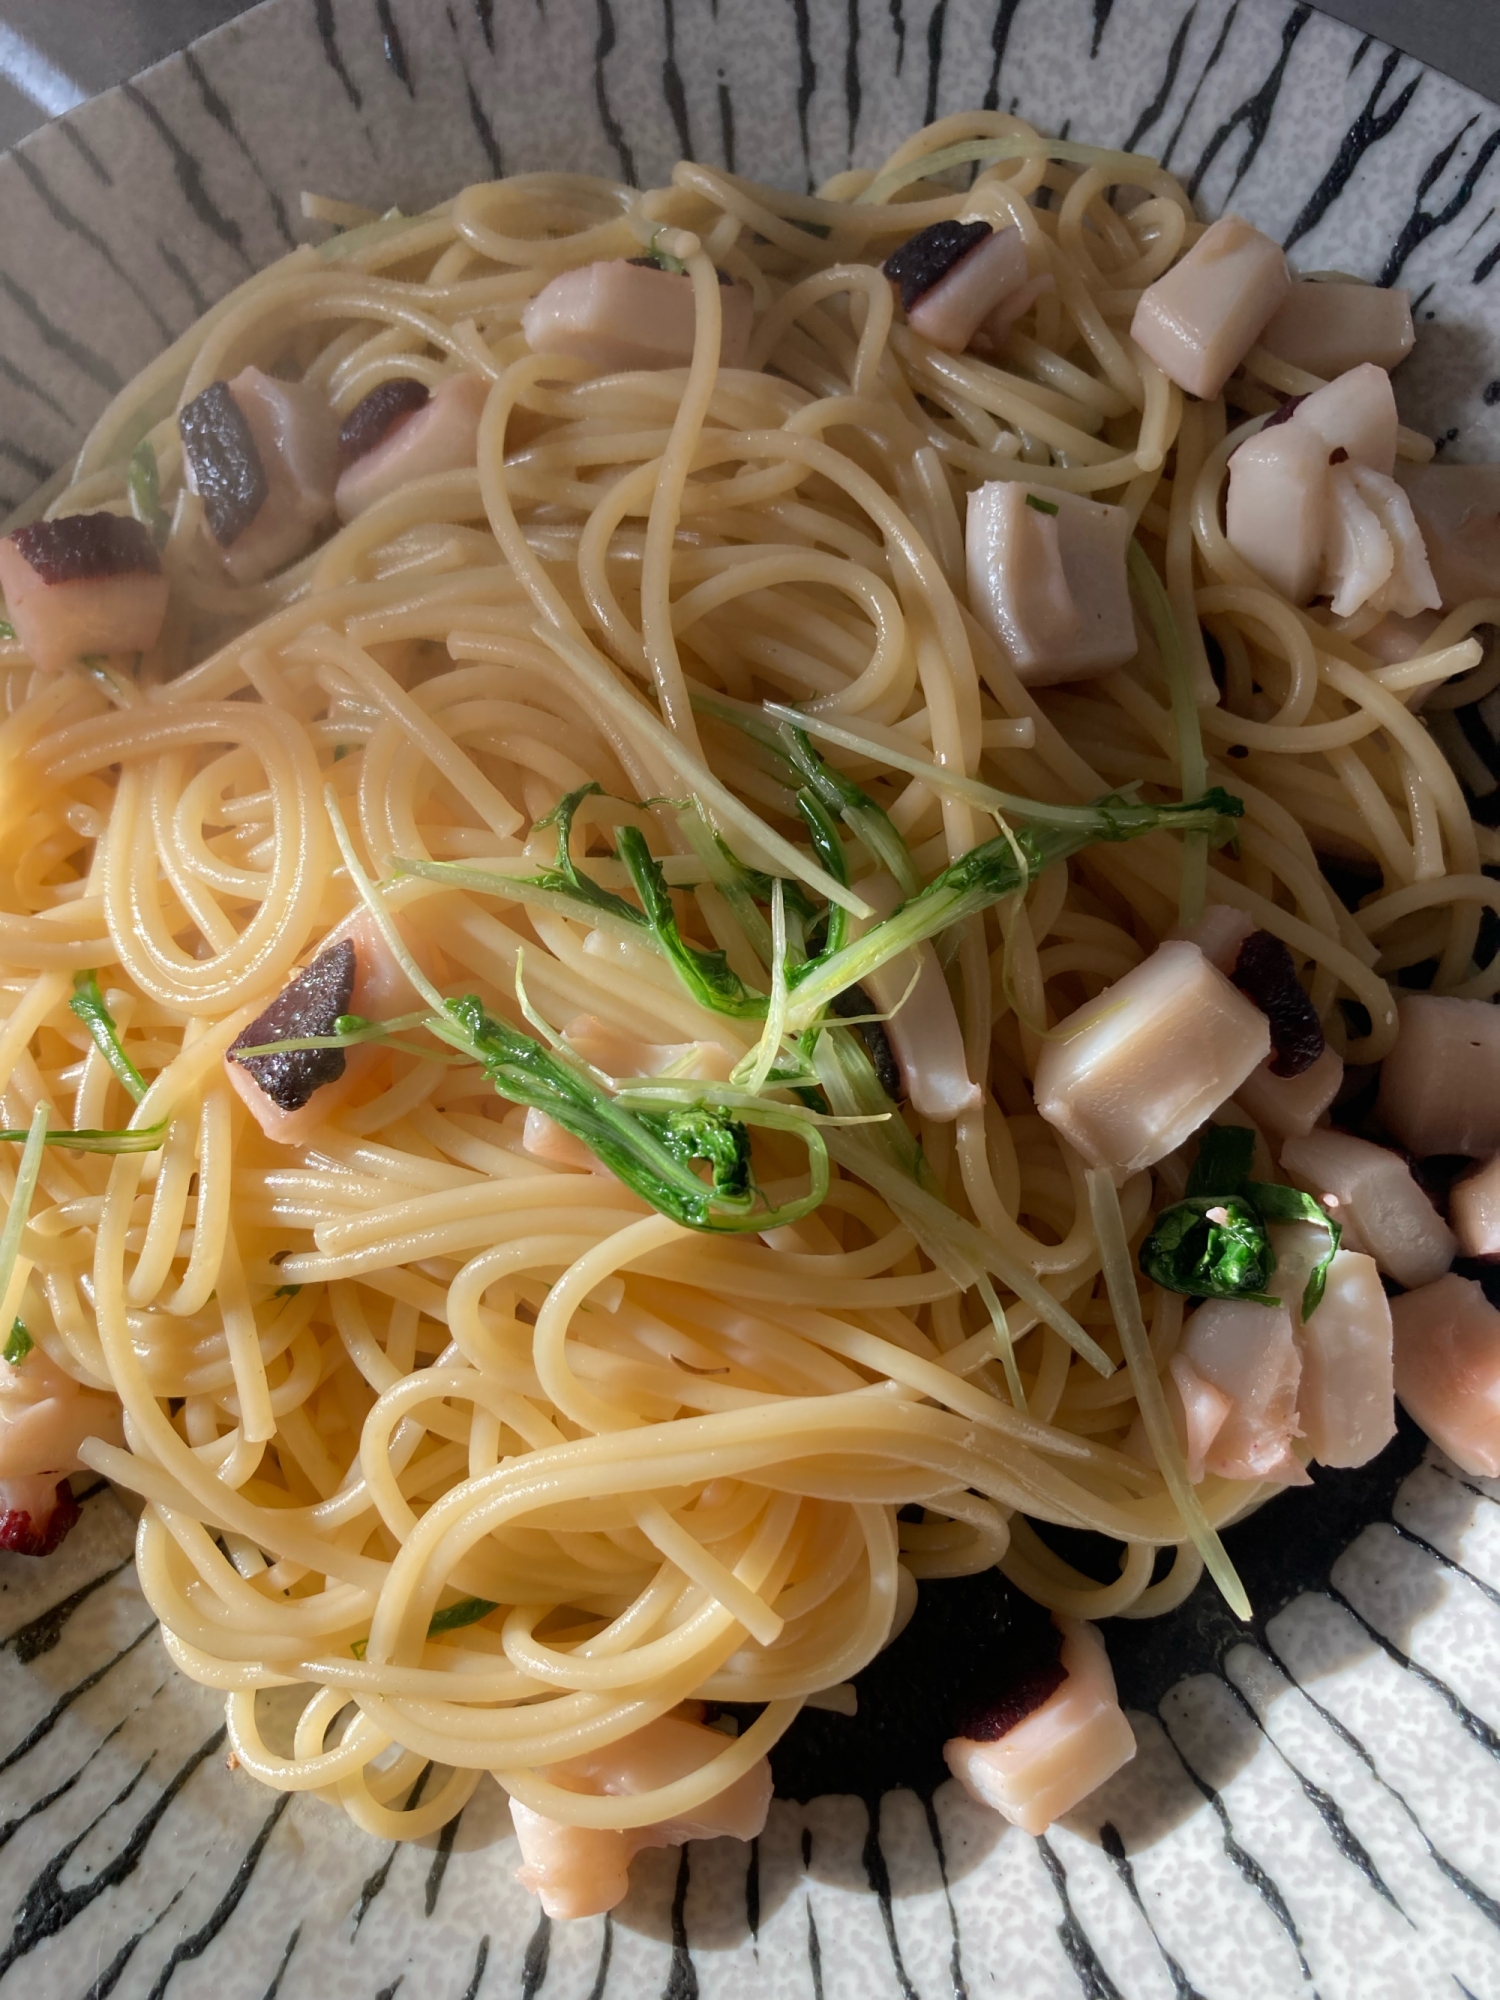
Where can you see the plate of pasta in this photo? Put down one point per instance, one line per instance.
(749, 1094)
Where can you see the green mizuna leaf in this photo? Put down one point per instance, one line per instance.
(123, 1139)
(1223, 1163)
(567, 878)
(655, 1152)
(19, 1343)
(1286, 1204)
(88, 1004)
(145, 492)
(987, 874)
(1215, 1243)
(1210, 1247)
(453, 1617)
(708, 975)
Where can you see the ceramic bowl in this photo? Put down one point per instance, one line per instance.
(1315, 1806)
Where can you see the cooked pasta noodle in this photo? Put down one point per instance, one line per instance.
(422, 1359)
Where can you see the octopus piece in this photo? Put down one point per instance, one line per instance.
(44, 1418)
(36, 1514)
(856, 1004)
(1474, 1210)
(1314, 508)
(1276, 510)
(1346, 1399)
(1246, 1355)
(545, 1140)
(1457, 509)
(1448, 1369)
(1132, 1073)
(1288, 1107)
(947, 304)
(1328, 325)
(1265, 973)
(438, 434)
(1440, 1084)
(1370, 1193)
(1354, 414)
(618, 1054)
(82, 585)
(1200, 319)
(374, 417)
(1374, 553)
(1047, 577)
(292, 1092)
(1055, 1739)
(921, 1022)
(583, 1871)
(923, 260)
(263, 456)
(627, 313)
(1218, 934)
(1395, 640)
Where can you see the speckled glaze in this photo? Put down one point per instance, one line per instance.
(1315, 1806)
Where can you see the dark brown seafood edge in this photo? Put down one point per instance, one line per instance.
(83, 548)
(227, 468)
(309, 1006)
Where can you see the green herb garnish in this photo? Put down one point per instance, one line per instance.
(452, 1618)
(1214, 1243)
(91, 1139)
(19, 1343)
(1042, 506)
(663, 258)
(145, 492)
(7, 630)
(467, 1611)
(88, 1004)
(987, 874)
(653, 1152)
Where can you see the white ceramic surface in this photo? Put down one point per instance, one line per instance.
(1315, 1808)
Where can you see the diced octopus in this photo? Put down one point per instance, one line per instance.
(1288, 1107)
(1440, 1084)
(44, 1417)
(83, 585)
(618, 1055)
(920, 1022)
(1218, 934)
(1474, 1210)
(1237, 1372)
(963, 282)
(290, 1093)
(1200, 319)
(1457, 508)
(400, 433)
(1328, 325)
(1448, 1369)
(1370, 1193)
(1132, 1073)
(262, 455)
(621, 1055)
(1395, 640)
(1047, 577)
(1037, 1754)
(1313, 505)
(628, 313)
(583, 1871)
(1346, 1400)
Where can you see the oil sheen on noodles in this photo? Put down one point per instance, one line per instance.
(431, 1357)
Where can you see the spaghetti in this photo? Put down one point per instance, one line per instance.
(494, 1455)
